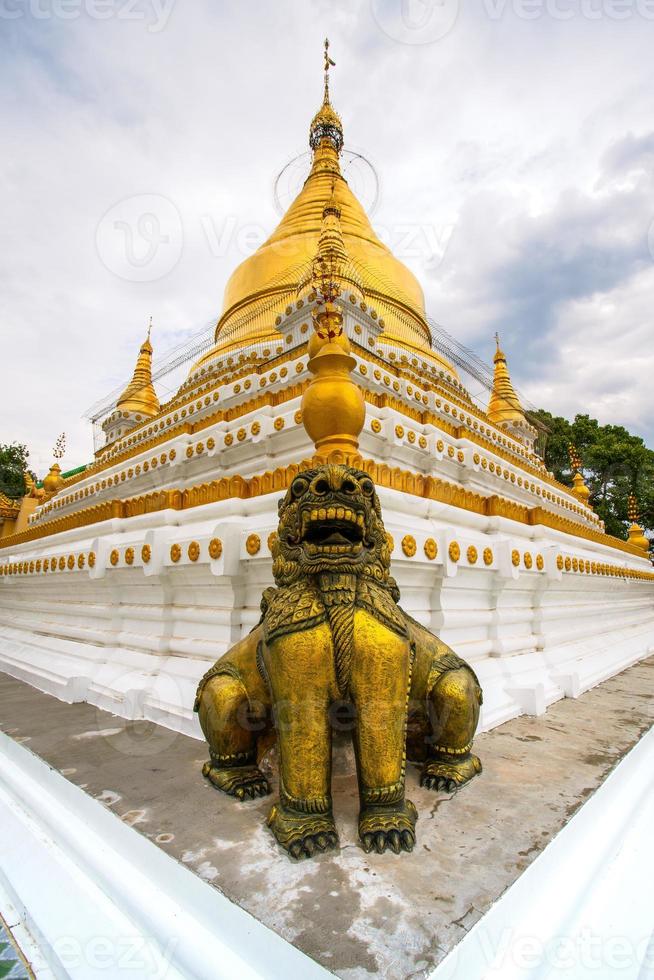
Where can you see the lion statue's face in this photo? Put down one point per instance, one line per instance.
(330, 520)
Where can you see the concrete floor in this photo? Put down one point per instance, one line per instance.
(359, 915)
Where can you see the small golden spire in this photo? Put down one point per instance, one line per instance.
(504, 405)
(636, 532)
(579, 488)
(139, 396)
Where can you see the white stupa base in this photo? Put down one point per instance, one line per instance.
(135, 639)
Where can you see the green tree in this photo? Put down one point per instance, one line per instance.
(614, 465)
(13, 463)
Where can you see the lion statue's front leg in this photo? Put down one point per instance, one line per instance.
(234, 711)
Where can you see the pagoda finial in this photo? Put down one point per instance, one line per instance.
(326, 127)
(328, 64)
(139, 396)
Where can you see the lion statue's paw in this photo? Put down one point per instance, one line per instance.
(392, 828)
(243, 782)
(303, 835)
(449, 776)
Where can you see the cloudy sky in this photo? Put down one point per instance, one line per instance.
(514, 142)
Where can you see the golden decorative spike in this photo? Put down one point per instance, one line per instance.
(636, 533)
(504, 405)
(139, 396)
(326, 129)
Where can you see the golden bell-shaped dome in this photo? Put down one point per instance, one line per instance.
(264, 283)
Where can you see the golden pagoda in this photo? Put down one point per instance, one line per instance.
(139, 396)
(504, 408)
(274, 275)
(138, 402)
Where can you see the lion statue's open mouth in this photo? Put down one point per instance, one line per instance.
(332, 530)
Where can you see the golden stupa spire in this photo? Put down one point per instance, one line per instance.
(326, 128)
(139, 396)
(504, 405)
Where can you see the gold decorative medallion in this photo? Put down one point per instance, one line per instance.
(568, 563)
(488, 556)
(113, 557)
(199, 448)
(146, 554)
(255, 428)
(272, 539)
(390, 541)
(189, 451)
(375, 425)
(515, 557)
(411, 436)
(193, 551)
(559, 562)
(409, 545)
(252, 544)
(430, 549)
(241, 434)
(279, 423)
(422, 442)
(454, 551)
(472, 555)
(540, 563)
(399, 431)
(129, 556)
(91, 559)
(215, 548)
(528, 560)
(211, 444)
(175, 553)
(81, 560)
(71, 561)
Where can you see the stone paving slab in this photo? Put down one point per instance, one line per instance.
(359, 915)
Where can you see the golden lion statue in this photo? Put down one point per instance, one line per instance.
(333, 640)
